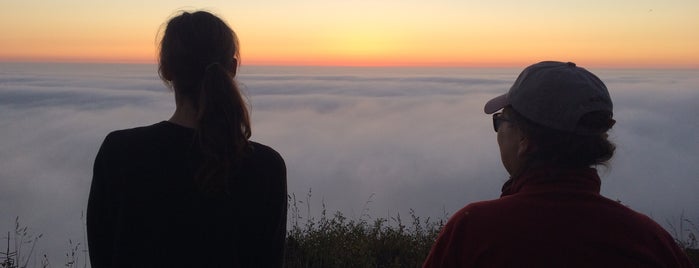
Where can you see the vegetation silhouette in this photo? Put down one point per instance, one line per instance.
(328, 241)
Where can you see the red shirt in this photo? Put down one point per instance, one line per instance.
(553, 218)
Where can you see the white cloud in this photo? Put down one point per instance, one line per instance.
(415, 138)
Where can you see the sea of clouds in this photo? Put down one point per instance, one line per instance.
(369, 142)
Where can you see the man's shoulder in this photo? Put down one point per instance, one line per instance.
(480, 210)
(487, 206)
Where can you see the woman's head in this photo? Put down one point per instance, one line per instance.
(547, 146)
(191, 43)
(555, 114)
(199, 58)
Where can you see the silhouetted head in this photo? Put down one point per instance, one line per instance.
(199, 58)
(556, 114)
(193, 42)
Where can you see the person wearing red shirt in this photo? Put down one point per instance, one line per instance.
(552, 134)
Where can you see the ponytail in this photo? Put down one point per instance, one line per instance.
(198, 57)
(222, 128)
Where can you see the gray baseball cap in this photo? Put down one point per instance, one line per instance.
(554, 94)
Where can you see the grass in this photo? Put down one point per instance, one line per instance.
(336, 241)
(20, 250)
(18, 243)
(327, 241)
(685, 234)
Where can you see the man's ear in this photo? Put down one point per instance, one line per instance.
(526, 146)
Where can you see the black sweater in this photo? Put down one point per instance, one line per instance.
(144, 208)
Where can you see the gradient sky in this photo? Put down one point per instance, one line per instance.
(618, 33)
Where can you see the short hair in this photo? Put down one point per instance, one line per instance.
(567, 149)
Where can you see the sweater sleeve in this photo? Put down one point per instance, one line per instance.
(101, 208)
(278, 202)
(267, 234)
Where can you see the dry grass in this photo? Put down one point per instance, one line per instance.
(336, 241)
(328, 241)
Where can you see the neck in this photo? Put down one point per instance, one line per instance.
(185, 114)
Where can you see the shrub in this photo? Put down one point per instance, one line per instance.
(341, 242)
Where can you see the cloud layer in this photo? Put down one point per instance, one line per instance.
(386, 139)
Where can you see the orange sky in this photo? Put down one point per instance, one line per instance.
(623, 33)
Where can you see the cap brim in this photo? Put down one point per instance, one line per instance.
(496, 104)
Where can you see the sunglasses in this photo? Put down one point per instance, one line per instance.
(498, 118)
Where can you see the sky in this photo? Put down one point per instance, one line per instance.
(600, 33)
(375, 141)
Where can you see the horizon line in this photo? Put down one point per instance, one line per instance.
(455, 65)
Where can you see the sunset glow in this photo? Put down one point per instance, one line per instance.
(370, 33)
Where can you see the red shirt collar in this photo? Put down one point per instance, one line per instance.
(553, 179)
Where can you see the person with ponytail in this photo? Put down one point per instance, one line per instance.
(192, 191)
